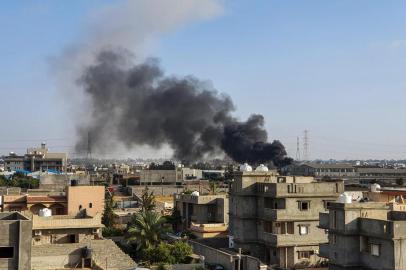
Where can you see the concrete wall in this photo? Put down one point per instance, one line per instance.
(16, 232)
(213, 255)
(90, 198)
(158, 176)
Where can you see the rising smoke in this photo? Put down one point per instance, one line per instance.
(123, 100)
(144, 107)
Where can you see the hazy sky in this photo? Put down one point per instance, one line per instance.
(336, 68)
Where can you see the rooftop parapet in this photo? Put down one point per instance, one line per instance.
(66, 222)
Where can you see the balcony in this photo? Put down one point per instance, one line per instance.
(281, 240)
(378, 228)
(324, 221)
(280, 190)
(285, 215)
(324, 250)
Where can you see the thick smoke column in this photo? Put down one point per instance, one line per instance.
(136, 104)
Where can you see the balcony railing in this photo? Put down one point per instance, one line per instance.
(302, 189)
(284, 214)
(290, 239)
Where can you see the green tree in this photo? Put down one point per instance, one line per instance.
(146, 229)
(147, 200)
(180, 251)
(159, 254)
(108, 214)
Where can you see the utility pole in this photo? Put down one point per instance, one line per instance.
(306, 152)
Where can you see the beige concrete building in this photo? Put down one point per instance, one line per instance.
(74, 201)
(15, 242)
(36, 159)
(275, 218)
(203, 215)
(366, 235)
(89, 198)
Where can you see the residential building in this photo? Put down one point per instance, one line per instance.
(15, 242)
(275, 218)
(85, 198)
(75, 200)
(203, 215)
(366, 235)
(67, 241)
(36, 159)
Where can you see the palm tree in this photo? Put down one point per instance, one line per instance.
(146, 229)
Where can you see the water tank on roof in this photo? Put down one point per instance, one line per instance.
(195, 193)
(375, 187)
(245, 168)
(261, 168)
(345, 198)
(45, 212)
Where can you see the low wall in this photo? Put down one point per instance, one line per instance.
(212, 255)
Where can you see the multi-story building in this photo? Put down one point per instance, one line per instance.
(15, 242)
(203, 215)
(74, 200)
(276, 217)
(36, 159)
(366, 235)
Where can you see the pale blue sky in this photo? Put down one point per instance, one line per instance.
(336, 68)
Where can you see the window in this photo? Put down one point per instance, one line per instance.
(80, 207)
(326, 203)
(375, 249)
(304, 254)
(304, 229)
(304, 205)
(90, 205)
(6, 252)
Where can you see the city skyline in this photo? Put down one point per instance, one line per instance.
(334, 68)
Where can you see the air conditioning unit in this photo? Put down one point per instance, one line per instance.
(37, 233)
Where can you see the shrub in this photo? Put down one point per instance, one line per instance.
(180, 251)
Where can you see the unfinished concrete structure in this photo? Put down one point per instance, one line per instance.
(203, 215)
(15, 242)
(275, 218)
(366, 235)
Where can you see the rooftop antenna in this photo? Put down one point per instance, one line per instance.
(297, 149)
(306, 152)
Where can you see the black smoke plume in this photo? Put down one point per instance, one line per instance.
(136, 104)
